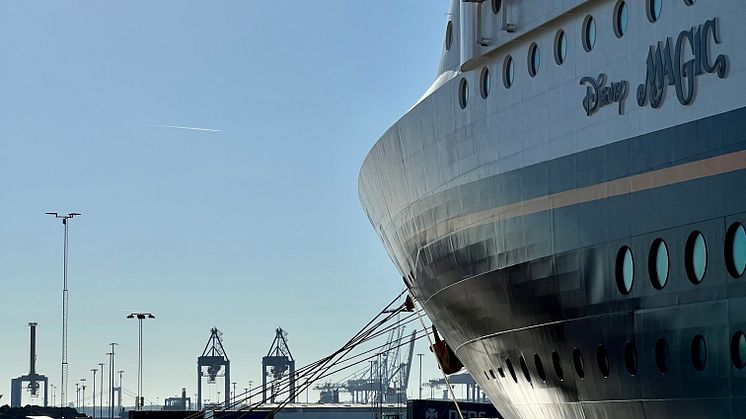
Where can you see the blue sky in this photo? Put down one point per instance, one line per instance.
(253, 225)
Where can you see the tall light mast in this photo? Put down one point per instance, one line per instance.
(63, 386)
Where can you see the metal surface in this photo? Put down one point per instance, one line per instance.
(506, 218)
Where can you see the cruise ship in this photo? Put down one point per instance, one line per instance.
(567, 202)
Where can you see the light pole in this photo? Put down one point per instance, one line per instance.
(111, 379)
(420, 357)
(140, 317)
(63, 386)
(94, 371)
(233, 397)
(101, 396)
(77, 395)
(250, 383)
(82, 398)
(54, 395)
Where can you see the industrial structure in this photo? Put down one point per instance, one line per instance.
(385, 380)
(32, 378)
(276, 364)
(214, 363)
(179, 403)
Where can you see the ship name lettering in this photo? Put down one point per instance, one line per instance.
(598, 94)
(453, 414)
(664, 66)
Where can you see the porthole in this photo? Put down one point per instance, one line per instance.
(508, 72)
(654, 9)
(540, 368)
(738, 349)
(621, 19)
(492, 373)
(486, 376)
(524, 368)
(630, 357)
(658, 264)
(661, 355)
(534, 60)
(463, 93)
(485, 83)
(699, 352)
(689, 2)
(602, 358)
(577, 360)
(501, 372)
(496, 5)
(511, 370)
(735, 250)
(589, 33)
(557, 363)
(695, 257)
(560, 47)
(625, 270)
(449, 35)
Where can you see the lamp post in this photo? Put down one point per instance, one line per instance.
(420, 357)
(140, 317)
(101, 396)
(82, 398)
(54, 395)
(111, 379)
(121, 387)
(77, 395)
(250, 383)
(63, 385)
(94, 371)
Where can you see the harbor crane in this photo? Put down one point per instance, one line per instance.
(214, 363)
(277, 364)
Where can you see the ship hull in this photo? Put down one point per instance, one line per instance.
(508, 221)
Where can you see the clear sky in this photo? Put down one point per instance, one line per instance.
(252, 224)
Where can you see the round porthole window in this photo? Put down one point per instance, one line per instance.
(511, 370)
(630, 357)
(654, 9)
(463, 93)
(738, 349)
(577, 359)
(557, 363)
(449, 35)
(661, 355)
(658, 264)
(589, 33)
(508, 72)
(735, 250)
(534, 60)
(496, 5)
(485, 83)
(602, 357)
(524, 368)
(699, 352)
(695, 257)
(621, 19)
(689, 2)
(625, 270)
(560, 47)
(540, 368)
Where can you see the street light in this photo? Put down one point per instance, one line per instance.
(94, 371)
(140, 317)
(82, 398)
(101, 396)
(63, 386)
(420, 356)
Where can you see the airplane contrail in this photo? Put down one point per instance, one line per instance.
(183, 127)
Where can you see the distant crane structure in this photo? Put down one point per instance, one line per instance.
(214, 363)
(277, 364)
(385, 380)
(32, 378)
